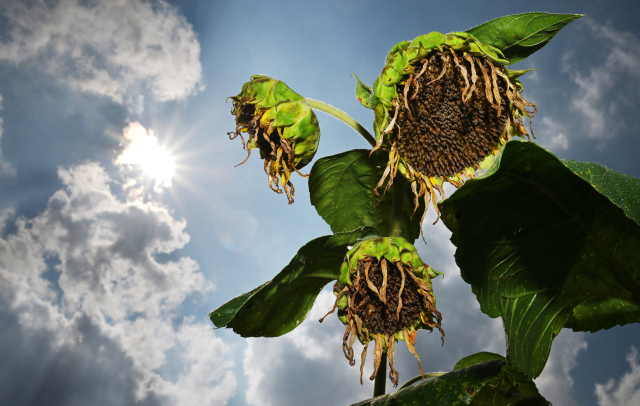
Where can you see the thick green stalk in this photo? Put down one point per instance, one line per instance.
(381, 377)
(341, 115)
(399, 186)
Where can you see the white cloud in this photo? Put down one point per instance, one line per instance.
(115, 48)
(553, 134)
(559, 141)
(625, 392)
(6, 169)
(110, 277)
(555, 383)
(307, 361)
(606, 87)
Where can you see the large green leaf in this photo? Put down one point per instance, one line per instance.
(623, 190)
(341, 188)
(280, 305)
(454, 388)
(520, 35)
(540, 246)
(509, 386)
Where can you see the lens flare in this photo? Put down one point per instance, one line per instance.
(142, 150)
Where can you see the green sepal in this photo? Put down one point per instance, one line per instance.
(363, 93)
(343, 302)
(423, 44)
(393, 71)
(399, 47)
(393, 249)
(465, 42)
(515, 74)
(265, 92)
(488, 161)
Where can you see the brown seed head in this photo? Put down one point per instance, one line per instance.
(451, 125)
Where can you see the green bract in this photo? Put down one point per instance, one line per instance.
(444, 105)
(384, 294)
(280, 123)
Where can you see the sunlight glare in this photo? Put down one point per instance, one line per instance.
(142, 150)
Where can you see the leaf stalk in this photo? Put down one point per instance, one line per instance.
(344, 117)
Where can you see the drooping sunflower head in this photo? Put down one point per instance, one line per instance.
(384, 295)
(278, 122)
(444, 106)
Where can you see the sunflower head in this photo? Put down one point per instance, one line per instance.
(384, 294)
(278, 122)
(444, 105)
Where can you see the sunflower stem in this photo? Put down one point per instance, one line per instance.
(399, 186)
(381, 377)
(341, 115)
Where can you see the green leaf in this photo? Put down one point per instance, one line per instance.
(536, 242)
(341, 189)
(225, 313)
(520, 35)
(454, 388)
(509, 378)
(280, 305)
(602, 313)
(623, 190)
(476, 359)
(363, 93)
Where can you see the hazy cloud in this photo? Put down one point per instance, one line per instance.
(85, 273)
(553, 134)
(626, 391)
(555, 382)
(115, 48)
(6, 169)
(607, 88)
(306, 362)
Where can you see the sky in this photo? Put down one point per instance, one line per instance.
(111, 259)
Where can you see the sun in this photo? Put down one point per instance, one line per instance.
(142, 149)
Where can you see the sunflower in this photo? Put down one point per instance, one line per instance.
(384, 294)
(444, 106)
(280, 123)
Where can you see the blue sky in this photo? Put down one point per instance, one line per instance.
(107, 273)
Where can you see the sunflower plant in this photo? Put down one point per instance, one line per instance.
(544, 243)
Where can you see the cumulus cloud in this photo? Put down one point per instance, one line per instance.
(606, 88)
(6, 169)
(625, 392)
(553, 134)
(306, 362)
(85, 275)
(115, 48)
(555, 382)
